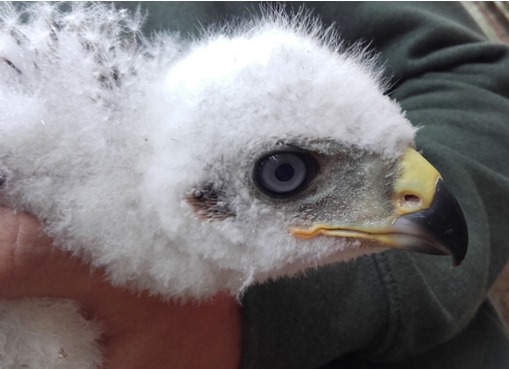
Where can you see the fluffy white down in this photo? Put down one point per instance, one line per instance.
(103, 134)
(31, 336)
(102, 139)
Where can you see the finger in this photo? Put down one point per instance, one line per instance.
(30, 266)
(23, 245)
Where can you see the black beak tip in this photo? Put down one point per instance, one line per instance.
(443, 226)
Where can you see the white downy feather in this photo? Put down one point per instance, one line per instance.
(104, 134)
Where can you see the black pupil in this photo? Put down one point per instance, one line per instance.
(285, 172)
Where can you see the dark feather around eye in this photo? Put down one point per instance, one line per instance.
(207, 204)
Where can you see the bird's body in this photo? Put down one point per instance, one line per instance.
(148, 157)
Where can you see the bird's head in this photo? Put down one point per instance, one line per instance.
(278, 153)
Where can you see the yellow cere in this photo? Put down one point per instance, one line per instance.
(415, 188)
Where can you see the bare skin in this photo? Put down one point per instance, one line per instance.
(141, 331)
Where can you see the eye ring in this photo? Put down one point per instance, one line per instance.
(284, 174)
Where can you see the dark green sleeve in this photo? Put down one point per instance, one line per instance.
(394, 309)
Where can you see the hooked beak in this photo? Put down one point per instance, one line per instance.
(426, 219)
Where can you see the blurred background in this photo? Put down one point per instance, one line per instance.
(493, 18)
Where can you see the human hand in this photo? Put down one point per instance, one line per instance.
(141, 331)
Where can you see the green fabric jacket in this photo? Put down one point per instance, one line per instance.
(396, 309)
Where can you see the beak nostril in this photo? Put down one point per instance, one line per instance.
(412, 200)
(409, 203)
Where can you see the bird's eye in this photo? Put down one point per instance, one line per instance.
(284, 174)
